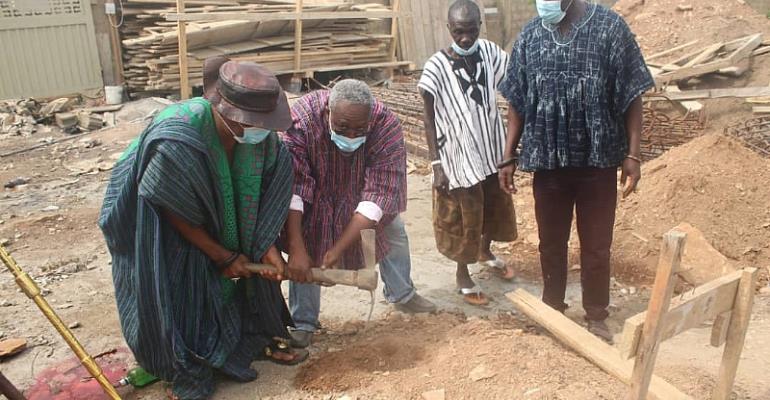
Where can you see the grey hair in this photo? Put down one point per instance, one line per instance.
(352, 91)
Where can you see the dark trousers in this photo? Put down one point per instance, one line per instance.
(592, 193)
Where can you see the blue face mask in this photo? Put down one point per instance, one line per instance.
(464, 53)
(251, 135)
(550, 11)
(344, 143)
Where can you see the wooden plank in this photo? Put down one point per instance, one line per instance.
(745, 51)
(688, 311)
(279, 16)
(184, 80)
(406, 28)
(394, 30)
(698, 70)
(745, 92)
(760, 51)
(761, 110)
(736, 335)
(688, 105)
(668, 264)
(586, 344)
(720, 328)
(707, 55)
(669, 51)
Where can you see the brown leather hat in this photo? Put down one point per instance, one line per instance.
(246, 92)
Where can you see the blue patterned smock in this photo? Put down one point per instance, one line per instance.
(573, 91)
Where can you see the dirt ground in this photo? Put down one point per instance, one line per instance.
(475, 353)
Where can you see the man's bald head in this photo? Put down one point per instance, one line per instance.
(464, 11)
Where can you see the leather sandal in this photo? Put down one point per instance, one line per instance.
(281, 345)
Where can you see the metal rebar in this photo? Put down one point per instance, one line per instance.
(30, 288)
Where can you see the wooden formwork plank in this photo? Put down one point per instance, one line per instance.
(688, 311)
(589, 346)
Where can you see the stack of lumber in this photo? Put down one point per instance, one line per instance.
(150, 45)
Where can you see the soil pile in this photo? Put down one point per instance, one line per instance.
(715, 184)
(404, 357)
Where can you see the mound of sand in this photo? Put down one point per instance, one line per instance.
(715, 184)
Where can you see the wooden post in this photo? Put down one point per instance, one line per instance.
(736, 335)
(117, 49)
(298, 37)
(394, 30)
(184, 79)
(660, 299)
(395, 5)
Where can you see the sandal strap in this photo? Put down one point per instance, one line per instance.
(494, 263)
(476, 289)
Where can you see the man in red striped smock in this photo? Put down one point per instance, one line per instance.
(349, 164)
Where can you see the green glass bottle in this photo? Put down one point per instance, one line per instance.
(138, 378)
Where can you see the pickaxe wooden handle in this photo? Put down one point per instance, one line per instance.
(364, 279)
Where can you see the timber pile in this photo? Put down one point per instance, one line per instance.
(150, 42)
(728, 58)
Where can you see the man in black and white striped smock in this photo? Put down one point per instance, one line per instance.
(466, 137)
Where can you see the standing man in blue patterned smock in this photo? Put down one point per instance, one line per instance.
(574, 86)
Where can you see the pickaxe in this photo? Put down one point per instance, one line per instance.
(364, 279)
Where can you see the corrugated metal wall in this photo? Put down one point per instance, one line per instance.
(47, 48)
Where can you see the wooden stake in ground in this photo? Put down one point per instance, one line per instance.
(736, 335)
(668, 265)
(184, 79)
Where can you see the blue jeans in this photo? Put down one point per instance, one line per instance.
(395, 270)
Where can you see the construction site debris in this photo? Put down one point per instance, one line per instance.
(16, 182)
(671, 39)
(12, 347)
(89, 122)
(67, 121)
